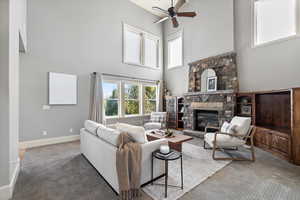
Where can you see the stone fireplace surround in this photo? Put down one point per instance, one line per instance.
(223, 100)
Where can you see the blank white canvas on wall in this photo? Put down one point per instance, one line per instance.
(62, 89)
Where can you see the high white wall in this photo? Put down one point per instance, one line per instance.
(14, 27)
(4, 92)
(209, 34)
(76, 37)
(9, 92)
(269, 67)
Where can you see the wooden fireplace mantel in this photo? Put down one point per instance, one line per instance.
(210, 93)
(217, 106)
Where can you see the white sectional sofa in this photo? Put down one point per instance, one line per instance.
(98, 145)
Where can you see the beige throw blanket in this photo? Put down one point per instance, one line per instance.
(128, 163)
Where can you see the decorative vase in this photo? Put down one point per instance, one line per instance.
(164, 149)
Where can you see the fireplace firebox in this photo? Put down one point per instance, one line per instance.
(202, 118)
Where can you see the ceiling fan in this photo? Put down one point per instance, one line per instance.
(172, 13)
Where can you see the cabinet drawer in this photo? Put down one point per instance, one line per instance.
(280, 143)
(262, 137)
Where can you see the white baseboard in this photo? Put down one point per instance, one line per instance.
(45, 142)
(7, 191)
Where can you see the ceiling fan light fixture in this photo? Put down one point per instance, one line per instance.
(172, 12)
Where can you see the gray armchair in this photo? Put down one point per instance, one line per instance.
(158, 120)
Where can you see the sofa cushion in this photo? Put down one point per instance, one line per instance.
(109, 135)
(136, 132)
(92, 126)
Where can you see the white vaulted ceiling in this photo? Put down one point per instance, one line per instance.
(148, 4)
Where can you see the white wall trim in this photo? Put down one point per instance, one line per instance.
(6, 191)
(45, 142)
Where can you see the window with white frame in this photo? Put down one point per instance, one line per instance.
(111, 98)
(175, 50)
(126, 98)
(274, 20)
(131, 99)
(140, 48)
(150, 98)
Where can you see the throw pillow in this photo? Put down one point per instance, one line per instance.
(229, 128)
(225, 127)
(136, 132)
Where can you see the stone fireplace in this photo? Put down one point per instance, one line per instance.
(202, 108)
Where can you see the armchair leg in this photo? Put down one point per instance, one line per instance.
(214, 151)
(232, 158)
(252, 151)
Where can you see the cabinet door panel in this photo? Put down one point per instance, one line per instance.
(262, 138)
(280, 143)
(296, 126)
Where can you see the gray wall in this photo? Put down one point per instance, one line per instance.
(76, 37)
(269, 67)
(209, 34)
(4, 92)
(9, 90)
(14, 115)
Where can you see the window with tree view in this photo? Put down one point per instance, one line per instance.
(131, 99)
(150, 99)
(111, 98)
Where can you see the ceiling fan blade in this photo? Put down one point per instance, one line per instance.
(186, 14)
(175, 22)
(179, 4)
(158, 9)
(162, 20)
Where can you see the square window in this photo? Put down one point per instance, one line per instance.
(111, 98)
(140, 48)
(131, 99)
(151, 52)
(175, 52)
(150, 99)
(274, 20)
(132, 50)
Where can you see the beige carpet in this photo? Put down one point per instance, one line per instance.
(198, 165)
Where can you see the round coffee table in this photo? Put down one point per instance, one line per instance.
(173, 156)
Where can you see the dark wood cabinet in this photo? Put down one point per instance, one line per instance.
(172, 111)
(180, 112)
(276, 114)
(273, 141)
(295, 136)
(174, 108)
